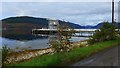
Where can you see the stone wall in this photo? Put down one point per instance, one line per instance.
(26, 55)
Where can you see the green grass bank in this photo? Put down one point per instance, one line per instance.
(66, 58)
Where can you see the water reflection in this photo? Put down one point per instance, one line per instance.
(31, 41)
(34, 44)
(23, 36)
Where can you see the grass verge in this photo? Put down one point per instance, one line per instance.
(66, 58)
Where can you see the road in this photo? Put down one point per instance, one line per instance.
(108, 57)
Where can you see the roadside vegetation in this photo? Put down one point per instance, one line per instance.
(0, 57)
(5, 50)
(105, 33)
(61, 42)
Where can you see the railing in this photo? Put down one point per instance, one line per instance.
(82, 32)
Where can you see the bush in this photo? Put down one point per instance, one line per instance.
(106, 32)
(5, 51)
(62, 40)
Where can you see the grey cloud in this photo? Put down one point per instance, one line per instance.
(77, 12)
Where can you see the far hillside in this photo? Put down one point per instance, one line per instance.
(22, 26)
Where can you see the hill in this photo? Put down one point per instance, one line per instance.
(16, 27)
(21, 26)
(33, 22)
(42, 22)
(98, 26)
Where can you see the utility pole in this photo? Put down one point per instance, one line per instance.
(112, 11)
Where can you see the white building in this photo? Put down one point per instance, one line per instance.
(53, 24)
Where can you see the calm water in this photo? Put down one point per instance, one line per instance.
(32, 44)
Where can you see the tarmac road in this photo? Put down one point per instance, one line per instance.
(108, 57)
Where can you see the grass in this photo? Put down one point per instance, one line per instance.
(66, 58)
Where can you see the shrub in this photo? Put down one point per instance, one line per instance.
(106, 32)
(62, 41)
(5, 51)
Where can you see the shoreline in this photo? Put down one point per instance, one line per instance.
(25, 55)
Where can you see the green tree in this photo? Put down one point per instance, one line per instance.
(62, 43)
(5, 51)
(106, 32)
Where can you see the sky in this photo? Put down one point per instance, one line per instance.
(58, 0)
(82, 13)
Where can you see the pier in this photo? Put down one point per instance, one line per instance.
(53, 29)
(78, 32)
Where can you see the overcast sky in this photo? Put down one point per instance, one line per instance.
(83, 13)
